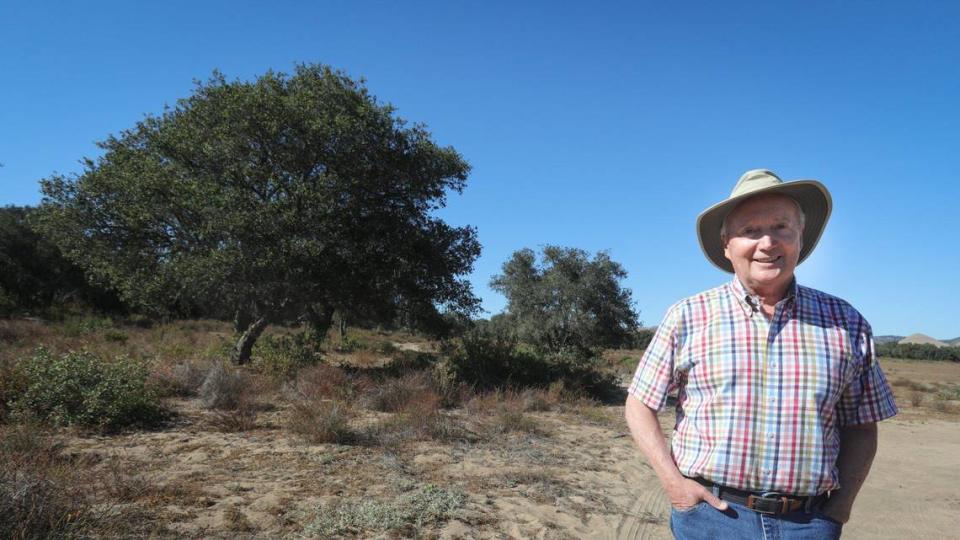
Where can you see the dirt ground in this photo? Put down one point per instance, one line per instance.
(578, 475)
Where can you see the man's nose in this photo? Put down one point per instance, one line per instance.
(766, 240)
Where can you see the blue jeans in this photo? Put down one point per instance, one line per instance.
(706, 522)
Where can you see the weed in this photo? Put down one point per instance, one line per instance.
(81, 326)
(414, 509)
(324, 381)
(394, 394)
(182, 379)
(118, 336)
(949, 392)
(948, 407)
(322, 421)
(223, 387)
(387, 348)
(241, 418)
(22, 330)
(912, 385)
(41, 495)
(916, 398)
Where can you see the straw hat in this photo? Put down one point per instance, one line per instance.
(813, 197)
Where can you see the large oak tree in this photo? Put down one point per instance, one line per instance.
(284, 197)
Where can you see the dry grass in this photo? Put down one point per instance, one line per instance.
(16, 331)
(41, 494)
(504, 412)
(916, 398)
(324, 381)
(182, 379)
(397, 394)
(323, 421)
(224, 387)
(913, 385)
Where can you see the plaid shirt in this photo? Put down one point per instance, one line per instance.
(760, 402)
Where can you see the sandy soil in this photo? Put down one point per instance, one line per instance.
(579, 476)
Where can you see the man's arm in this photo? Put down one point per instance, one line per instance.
(645, 428)
(858, 445)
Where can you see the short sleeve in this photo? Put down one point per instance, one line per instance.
(868, 398)
(654, 377)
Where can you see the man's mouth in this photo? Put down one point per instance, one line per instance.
(768, 259)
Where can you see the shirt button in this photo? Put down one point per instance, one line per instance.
(766, 472)
(769, 435)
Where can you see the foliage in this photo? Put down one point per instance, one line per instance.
(282, 356)
(282, 198)
(640, 338)
(918, 351)
(36, 277)
(415, 508)
(485, 360)
(80, 388)
(567, 302)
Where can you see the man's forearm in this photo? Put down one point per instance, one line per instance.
(645, 429)
(858, 446)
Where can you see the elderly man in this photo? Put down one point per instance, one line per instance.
(778, 390)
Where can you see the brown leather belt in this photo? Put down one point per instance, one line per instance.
(769, 502)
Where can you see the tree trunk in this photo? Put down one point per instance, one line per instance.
(320, 319)
(241, 351)
(242, 319)
(343, 327)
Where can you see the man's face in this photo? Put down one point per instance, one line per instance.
(762, 240)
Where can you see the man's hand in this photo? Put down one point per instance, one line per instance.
(645, 428)
(858, 446)
(836, 512)
(686, 493)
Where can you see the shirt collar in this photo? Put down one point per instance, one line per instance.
(751, 303)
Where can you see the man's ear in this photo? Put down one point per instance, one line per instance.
(726, 250)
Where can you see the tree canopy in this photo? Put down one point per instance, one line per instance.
(36, 278)
(567, 302)
(284, 197)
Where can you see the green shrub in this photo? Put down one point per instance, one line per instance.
(81, 326)
(80, 388)
(13, 381)
(387, 348)
(281, 357)
(115, 335)
(488, 361)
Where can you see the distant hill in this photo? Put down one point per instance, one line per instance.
(887, 339)
(955, 342)
(922, 339)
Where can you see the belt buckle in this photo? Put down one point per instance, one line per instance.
(769, 502)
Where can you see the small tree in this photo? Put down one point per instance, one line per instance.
(567, 302)
(282, 198)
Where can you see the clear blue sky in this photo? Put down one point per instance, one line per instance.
(600, 126)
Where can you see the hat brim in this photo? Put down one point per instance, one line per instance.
(813, 197)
